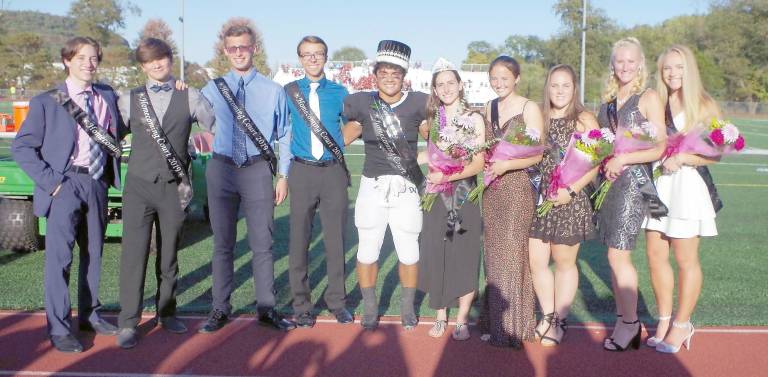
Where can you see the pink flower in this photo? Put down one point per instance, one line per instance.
(717, 136)
(739, 144)
(595, 134)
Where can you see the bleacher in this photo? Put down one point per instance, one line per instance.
(358, 76)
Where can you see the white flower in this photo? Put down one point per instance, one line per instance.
(533, 133)
(649, 129)
(730, 133)
(588, 141)
(607, 134)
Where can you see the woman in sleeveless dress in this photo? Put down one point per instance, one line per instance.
(507, 317)
(686, 195)
(449, 263)
(559, 233)
(629, 104)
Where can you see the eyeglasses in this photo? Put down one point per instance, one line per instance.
(316, 55)
(236, 49)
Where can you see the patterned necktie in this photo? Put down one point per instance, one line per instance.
(239, 150)
(314, 104)
(95, 154)
(156, 88)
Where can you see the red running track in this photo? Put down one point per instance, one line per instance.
(329, 349)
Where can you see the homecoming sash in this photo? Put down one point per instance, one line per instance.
(151, 124)
(316, 126)
(703, 171)
(246, 124)
(642, 172)
(96, 133)
(534, 174)
(392, 141)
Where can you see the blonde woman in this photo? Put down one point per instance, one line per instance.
(687, 190)
(559, 233)
(628, 103)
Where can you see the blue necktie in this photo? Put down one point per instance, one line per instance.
(156, 88)
(95, 154)
(239, 150)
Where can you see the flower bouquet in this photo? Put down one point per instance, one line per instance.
(518, 142)
(637, 138)
(585, 151)
(451, 146)
(717, 139)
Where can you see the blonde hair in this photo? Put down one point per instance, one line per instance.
(698, 106)
(640, 81)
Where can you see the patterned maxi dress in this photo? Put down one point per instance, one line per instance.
(567, 224)
(508, 304)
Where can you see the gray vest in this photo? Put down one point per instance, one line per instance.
(145, 160)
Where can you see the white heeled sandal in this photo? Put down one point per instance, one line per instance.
(664, 347)
(653, 341)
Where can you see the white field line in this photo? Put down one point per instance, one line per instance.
(97, 374)
(391, 320)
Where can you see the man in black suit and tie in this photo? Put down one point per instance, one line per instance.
(72, 163)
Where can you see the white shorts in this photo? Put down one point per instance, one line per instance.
(388, 200)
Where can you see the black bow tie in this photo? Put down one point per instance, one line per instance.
(165, 87)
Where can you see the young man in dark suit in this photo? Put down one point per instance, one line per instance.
(155, 186)
(72, 164)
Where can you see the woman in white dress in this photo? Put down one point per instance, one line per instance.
(686, 194)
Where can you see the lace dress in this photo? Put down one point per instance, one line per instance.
(568, 224)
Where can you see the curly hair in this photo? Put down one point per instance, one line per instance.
(640, 81)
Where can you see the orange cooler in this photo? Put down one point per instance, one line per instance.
(20, 110)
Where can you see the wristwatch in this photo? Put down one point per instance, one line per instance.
(571, 192)
(281, 175)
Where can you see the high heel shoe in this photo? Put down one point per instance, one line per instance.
(653, 341)
(546, 319)
(607, 339)
(612, 346)
(560, 324)
(665, 347)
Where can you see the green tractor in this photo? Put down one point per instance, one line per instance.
(21, 230)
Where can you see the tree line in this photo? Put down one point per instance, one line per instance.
(729, 42)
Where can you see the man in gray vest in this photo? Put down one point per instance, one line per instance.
(160, 119)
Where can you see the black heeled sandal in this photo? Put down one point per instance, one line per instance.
(548, 319)
(633, 343)
(610, 338)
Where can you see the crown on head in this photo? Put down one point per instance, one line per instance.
(393, 52)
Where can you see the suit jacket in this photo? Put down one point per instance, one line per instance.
(46, 140)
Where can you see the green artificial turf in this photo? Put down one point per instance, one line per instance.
(733, 263)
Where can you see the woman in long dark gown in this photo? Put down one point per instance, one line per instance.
(507, 317)
(449, 263)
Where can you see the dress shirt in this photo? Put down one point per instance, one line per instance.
(81, 154)
(199, 108)
(331, 97)
(265, 103)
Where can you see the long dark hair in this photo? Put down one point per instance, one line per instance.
(434, 101)
(574, 109)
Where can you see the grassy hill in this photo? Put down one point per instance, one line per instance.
(55, 30)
